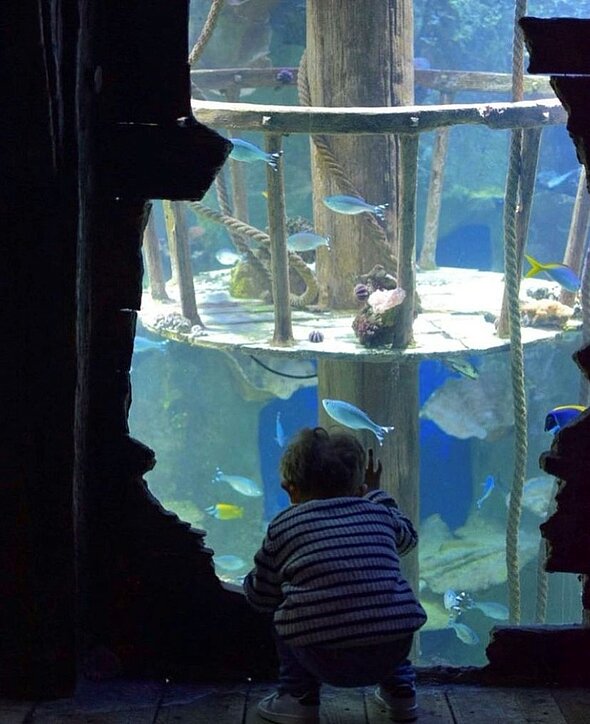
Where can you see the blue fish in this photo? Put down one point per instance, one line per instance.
(550, 180)
(249, 152)
(488, 486)
(143, 344)
(279, 432)
(350, 416)
(306, 241)
(353, 205)
(240, 484)
(561, 416)
(560, 273)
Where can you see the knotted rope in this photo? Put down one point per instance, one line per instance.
(259, 265)
(206, 32)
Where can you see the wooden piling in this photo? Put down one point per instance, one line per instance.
(283, 332)
(578, 235)
(153, 261)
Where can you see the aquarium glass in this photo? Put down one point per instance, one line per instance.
(219, 404)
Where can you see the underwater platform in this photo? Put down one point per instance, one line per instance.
(458, 309)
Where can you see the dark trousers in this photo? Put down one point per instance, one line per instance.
(302, 669)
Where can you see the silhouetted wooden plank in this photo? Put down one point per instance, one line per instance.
(433, 707)
(342, 706)
(215, 706)
(15, 712)
(492, 705)
(574, 704)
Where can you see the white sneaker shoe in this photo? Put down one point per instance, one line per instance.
(401, 704)
(286, 709)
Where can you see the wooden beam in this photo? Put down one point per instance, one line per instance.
(378, 120)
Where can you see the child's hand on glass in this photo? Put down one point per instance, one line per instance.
(372, 473)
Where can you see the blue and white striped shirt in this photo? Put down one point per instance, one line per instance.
(329, 570)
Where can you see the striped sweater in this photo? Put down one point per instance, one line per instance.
(329, 571)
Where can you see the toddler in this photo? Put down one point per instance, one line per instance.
(328, 569)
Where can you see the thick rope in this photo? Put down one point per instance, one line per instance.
(512, 274)
(585, 302)
(327, 157)
(296, 263)
(542, 584)
(205, 34)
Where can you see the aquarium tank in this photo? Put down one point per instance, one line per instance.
(334, 260)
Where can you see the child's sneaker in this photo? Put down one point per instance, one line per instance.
(401, 702)
(287, 709)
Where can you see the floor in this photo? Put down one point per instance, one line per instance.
(137, 702)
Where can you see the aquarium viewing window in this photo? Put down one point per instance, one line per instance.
(371, 252)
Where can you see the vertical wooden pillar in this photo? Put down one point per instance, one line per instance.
(388, 393)
(358, 54)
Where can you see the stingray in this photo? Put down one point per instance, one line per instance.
(466, 408)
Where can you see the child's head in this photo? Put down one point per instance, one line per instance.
(319, 464)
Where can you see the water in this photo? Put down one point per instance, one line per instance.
(204, 408)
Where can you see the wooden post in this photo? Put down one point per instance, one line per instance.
(153, 261)
(178, 241)
(348, 66)
(578, 234)
(361, 54)
(435, 187)
(283, 333)
(238, 172)
(388, 393)
(406, 268)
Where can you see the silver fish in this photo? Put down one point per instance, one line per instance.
(249, 152)
(351, 205)
(492, 609)
(306, 241)
(242, 485)
(351, 416)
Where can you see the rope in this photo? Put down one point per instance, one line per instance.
(296, 263)
(585, 302)
(329, 160)
(542, 584)
(512, 274)
(205, 34)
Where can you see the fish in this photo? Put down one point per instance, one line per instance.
(560, 273)
(488, 486)
(561, 416)
(279, 431)
(249, 152)
(225, 511)
(550, 180)
(227, 256)
(240, 484)
(492, 609)
(353, 205)
(229, 562)
(347, 414)
(462, 366)
(307, 241)
(464, 633)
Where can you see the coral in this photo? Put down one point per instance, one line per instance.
(545, 313)
(382, 300)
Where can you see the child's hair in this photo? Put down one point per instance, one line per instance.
(324, 464)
